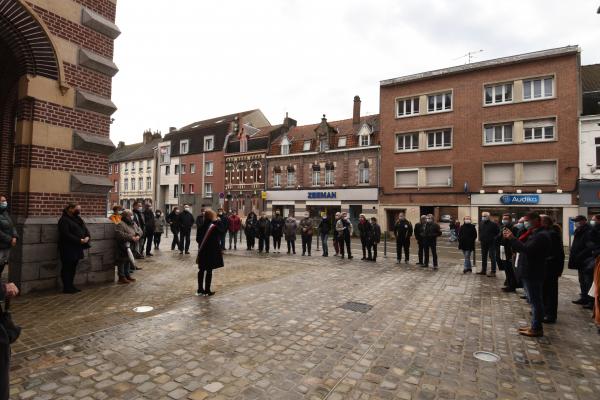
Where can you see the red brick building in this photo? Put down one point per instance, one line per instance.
(497, 135)
(55, 113)
(326, 167)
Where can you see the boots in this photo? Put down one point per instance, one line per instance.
(122, 280)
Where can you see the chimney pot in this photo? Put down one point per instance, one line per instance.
(172, 129)
(121, 145)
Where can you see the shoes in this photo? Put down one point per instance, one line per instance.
(523, 297)
(122, 280)
(350, 257)
(435, 267)
(374, 259)
(531, 333)
(481, 273)
(548, 320)
(187, 252)
(303, 254)
(294, 252)
(138, 268)
(466, 271)
(424, 266)
(364, 258)
(405, 261)
(491, 275)
(588, 306)
(579, 301)
(130, 279)
(508, 289)
(309, 254)
(181, 252)
(72, 290)
(149, 255)
(209, 293)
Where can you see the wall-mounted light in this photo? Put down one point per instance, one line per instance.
(481, 191)
(500, 191)
(538, 191)
(558, 190)
(519, 191)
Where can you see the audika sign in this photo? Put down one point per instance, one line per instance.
(520, 199)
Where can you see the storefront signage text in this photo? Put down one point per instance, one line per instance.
(322, 195)
(520, 199)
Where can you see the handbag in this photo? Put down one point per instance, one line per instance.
(7, 324)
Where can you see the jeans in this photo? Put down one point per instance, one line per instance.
(123, 268)
(467, 254)
(488, 249)
(534, 292)
(291, 245)
(324, 244)
(233, 236)
(585, 283)
(400, 244)
(149, 242)
(366, 248)
(306, 243)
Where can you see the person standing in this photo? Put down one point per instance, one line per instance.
(224, 220)
(7, 291)
(306, 232)
(8, 234)
(554, 269)
(324, 228)
(73, 238)
(150, 227)
(344, 229)
(365, 231)
(336, 237)
(488, 232)
(504, 254)
(289, 230)
(403, 230)
(234, 226)
(210, 253)
(467, 234)
(159, 229)
(581, 258)
(419, 230)
(125, 238)
(116, 215)
(174, 224)
(277, 231)
(430, 234)
(138, 219)
(534, 248)
(263, 228)
(186, 222)
(250, 230)
(376, 237)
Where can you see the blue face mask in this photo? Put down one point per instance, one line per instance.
(3, 205)
(505, 222)
(527, 224)
(520, 225)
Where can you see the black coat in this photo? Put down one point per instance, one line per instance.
(419, 231)
(210, 256)
(7, 230)
(365, 230)
(488, 232)
(376, 233)
(403, 230)
(556, 261)
(263, 228)
(324, 226)
(250, 226)
(501, 241)
(467, 234)
(138, 218)
(173, 221)
(277, 226)
(186, 221)
(199, 223)
(533, 254)
(582, 248)
(71, 229)
(150, 222)
(431, 231)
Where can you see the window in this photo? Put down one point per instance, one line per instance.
(116, 186)
(175, 191)
(316, 175)
(241, 170)
(407, 178)
(141, 184)
(191, 188)
(407, 142)
(291, 176)
(116, 168)
(439, 102)
(184, 146)
(438, 176)
(255, 168)
(285, 146)
(406, 107)
(125, 184)
(132, 183)
(208, 190)
(167, 170)
(499, 174)
(208, 168)
(126, 168)
(439, 139)
(539, 131)
(183, 188)
(498, 134)
(192, 168)
(209, 143)
(323, 145)
(165, 155)
(177, 169)
(342, 141)
(364, 139)
(363, 173)
(148, 183)
(498, 94)
(539, 173)
(597, 142)
(148, 165)
(306, 145)
(538, 88)
(277, 179)
(183, 169)
(243, 144)
(110, 169)
(229, 172)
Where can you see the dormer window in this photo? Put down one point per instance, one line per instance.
(364, 136)
(306, 145)
(323, 145)
(342, 141)
(184, 146)
(285, 146)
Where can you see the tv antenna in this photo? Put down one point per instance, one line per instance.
(469, 56)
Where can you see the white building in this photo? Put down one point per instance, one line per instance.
(168, 177)
(589, 142)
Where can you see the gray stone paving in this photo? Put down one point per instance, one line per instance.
(289, 338)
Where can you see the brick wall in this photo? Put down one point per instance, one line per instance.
(85, 121)
(52, 204)
(105, 8)
(88, 80)
(60, 160)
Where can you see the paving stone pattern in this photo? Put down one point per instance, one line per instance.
(284, 335)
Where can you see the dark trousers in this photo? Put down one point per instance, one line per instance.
(233, 236)
(345, 240)
(534, 293)
(204, 279)
(291, 245)
(366, 248)
(263, 243)
(402, 244)
(488, 250)
(276, 242)
(374, 249)
(509, 271)
(222, 240)
(250, 242)
(157, 236)
(184, 240)
(421, 250)
(585, 283)
(430, 244)
(324, 247)
(67, 273)
(4, 368)
(336, 245)
(306, 243)
(550, 295)
(149, 242)
(175, 241)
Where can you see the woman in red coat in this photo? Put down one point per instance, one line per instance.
(210, 254)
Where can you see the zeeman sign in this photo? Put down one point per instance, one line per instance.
(322, 195)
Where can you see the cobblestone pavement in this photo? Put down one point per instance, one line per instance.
(276, 330)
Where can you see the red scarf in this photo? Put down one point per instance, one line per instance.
(525, 235)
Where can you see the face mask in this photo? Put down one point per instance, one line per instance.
(186, 209)
(505, 222)
(76, 212)
(401, 217)
(177, 211)
(429, 220)
(592, 223)
(139, 209)
(120, 212)
(527, 224)
(484, 219)
(3, 205)
(467, 221)
(520, 225)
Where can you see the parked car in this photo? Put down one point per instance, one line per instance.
(446, 218)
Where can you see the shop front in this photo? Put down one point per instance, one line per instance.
(557, 205)
(589, 197)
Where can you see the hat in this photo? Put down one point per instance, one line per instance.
(579, 218)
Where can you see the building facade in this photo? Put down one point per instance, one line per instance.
(497, 136)
(589, 142)
(55, 111)
(326, 168)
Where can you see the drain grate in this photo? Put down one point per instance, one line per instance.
(486, 356)
(356, 307)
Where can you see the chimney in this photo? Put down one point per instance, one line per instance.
(121, 145)
(172, 129)
(147, 136)
(289, 122)
(356, 111)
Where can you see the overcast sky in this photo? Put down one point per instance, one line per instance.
(181, 61)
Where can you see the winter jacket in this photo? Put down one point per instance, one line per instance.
(306, 227)
(585, 241)
(263, 228)
(7, 230)
(173, 221)
(376, 233)
(250, 226)
(224, 221)
(432, 231)
(235, 224)
(160, 223)
(150, 223)
(186, 221)
(277, 226)
(501, 241)
(124, 233)
(344, 229)
(533, 254)
(467, 234)
(324, 226)
(290, 228)
(138, 218)
(71, 229)
(419, 231)
(403, 230)
(210, 256)
(199, 223)
(365, 230)
(488, 231)
(556, 260)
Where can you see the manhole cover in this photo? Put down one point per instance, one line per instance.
(486, 356)
(357, 307)
(142, 309)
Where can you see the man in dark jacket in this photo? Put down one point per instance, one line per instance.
(504, 255)
(150, 225)
(419, 231)
(277, 231)
(8, 234)
(534, 249)
(73, 238)
(467, 234)
(263, 231)
(139, 220)
(324, 228)
(488, 232)
(250, 227)
(173, 221)
(186, 222)
(199, 223)
(224, 225)
(581, 258)
(430, 234)
(403, 230)
(376, 237)
(554, 269)
(365, 231)
(7, 290)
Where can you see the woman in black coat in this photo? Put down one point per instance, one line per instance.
(73, 237)
(250, 230)
(210, 254)
(467, 234)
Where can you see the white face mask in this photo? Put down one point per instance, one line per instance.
(592, 222)
(429, 220)
(467, 221)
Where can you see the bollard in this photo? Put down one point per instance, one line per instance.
(385, 244)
